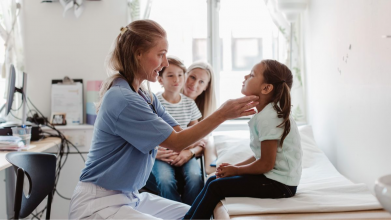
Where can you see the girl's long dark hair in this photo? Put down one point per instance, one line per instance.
(281, 78)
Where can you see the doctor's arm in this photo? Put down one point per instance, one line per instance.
(164, 154)
(231, 109)
(198, 147)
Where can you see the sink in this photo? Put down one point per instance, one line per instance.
(383, 191)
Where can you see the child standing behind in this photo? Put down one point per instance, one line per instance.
(275, 169)
(182, 167)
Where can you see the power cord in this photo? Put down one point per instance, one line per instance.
(62, 154)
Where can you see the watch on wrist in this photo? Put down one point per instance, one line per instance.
(193, 153)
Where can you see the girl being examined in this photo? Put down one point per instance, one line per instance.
(274, 170)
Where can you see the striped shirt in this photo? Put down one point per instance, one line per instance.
(183, 112)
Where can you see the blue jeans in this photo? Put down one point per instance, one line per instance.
(256, 186)
(164, 180)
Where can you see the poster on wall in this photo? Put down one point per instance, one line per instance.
(67, 100)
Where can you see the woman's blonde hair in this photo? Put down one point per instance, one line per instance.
(137, 37)
(206, 101)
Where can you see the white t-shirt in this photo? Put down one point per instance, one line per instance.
(183, 112)
(263, 126)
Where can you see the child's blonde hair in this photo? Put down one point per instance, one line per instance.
(139, 36)
(172, 60)
(206, 101)
(281, 78)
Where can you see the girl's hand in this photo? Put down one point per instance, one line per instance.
(223, 165)
(226, 170)
(183, 157)
(164, 154)
(235, 108)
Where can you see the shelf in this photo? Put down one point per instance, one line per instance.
(71, 127)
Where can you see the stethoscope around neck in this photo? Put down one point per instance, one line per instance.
(141, 93)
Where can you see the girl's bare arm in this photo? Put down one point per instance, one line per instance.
(263, 164)
(249, 160)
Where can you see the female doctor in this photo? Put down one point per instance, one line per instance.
(130, 124)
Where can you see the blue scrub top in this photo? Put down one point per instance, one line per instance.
(126, 133)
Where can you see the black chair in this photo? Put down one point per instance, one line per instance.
(39, 168)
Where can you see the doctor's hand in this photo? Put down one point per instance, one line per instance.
(183, 157)
(165, 155)
(235, 108)
(226, 170)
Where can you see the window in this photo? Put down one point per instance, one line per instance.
(2, 80)
(246, 52)
(248, 35)
(185, 23)
(245, 31)
(199, 49)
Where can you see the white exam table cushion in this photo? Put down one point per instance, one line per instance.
(322, 187)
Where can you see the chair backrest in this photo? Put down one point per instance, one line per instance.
(40, 170)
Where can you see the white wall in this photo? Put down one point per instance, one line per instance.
(349, 89)
(57, 46)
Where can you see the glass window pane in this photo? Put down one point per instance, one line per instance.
(199, 49)
(186, 27)
(246, 52)
(2, 51)
(248, 35)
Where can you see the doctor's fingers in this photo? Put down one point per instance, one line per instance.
(247, 99)
(248, 112)
(233, 109)
(249, 106)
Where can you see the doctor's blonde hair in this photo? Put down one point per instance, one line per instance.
(137, 37)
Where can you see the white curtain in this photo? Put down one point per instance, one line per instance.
(139, 9)
(292, 33)
(10, 31)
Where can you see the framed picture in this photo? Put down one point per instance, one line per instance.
(59, 119)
